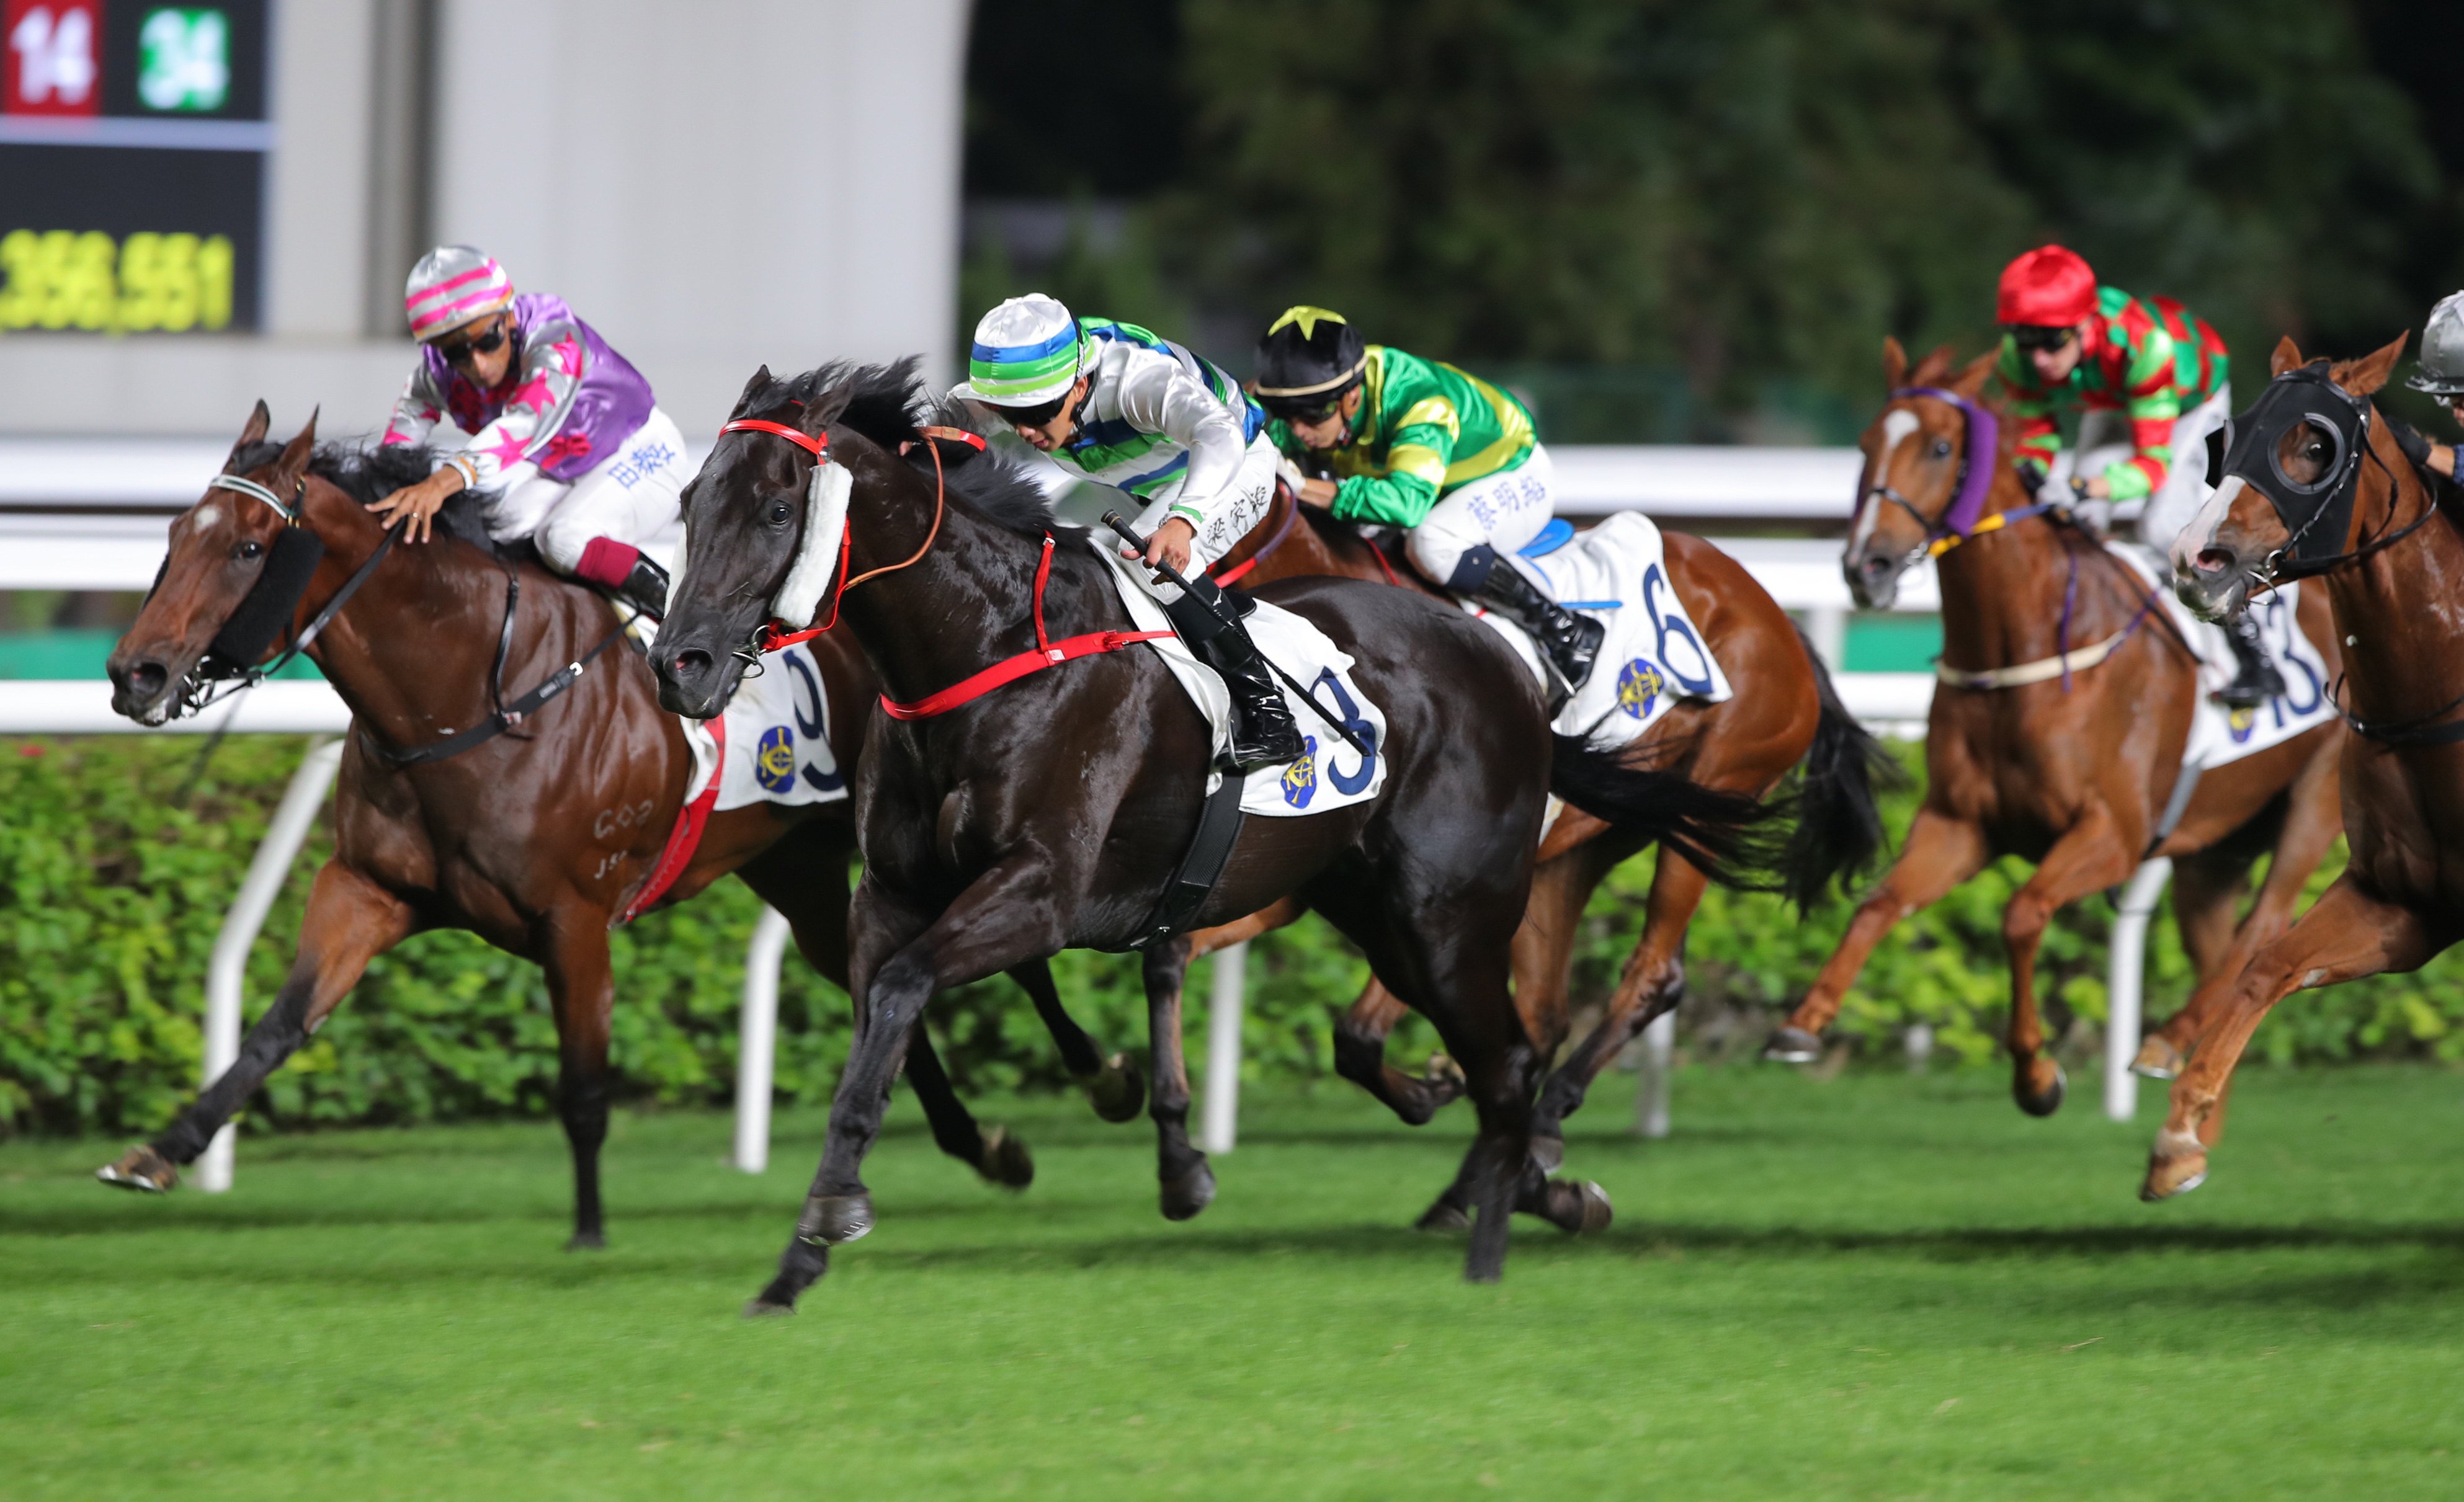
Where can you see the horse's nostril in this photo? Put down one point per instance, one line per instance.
(691, 663)
(2214, 560)
(147, 677)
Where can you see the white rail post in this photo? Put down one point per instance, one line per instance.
(2124, 986)
(1222, 1120)
(229, 967)
(1651, 1098)
(756, 1040)
(1826, 626)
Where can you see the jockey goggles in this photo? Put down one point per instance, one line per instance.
(2032, 336)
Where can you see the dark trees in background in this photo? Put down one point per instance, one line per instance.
(1740, 194)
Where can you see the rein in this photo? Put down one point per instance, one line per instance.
(1237, 572)
(1048, 653)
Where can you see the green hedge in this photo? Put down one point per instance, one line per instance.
(110, 900)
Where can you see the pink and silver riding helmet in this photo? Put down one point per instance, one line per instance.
(449, 287)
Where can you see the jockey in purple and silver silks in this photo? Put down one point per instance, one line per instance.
(555, 428)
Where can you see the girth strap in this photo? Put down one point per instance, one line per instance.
(1218, 829)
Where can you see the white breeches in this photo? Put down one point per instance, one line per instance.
(628, 498)
(1504, 511)
(1230, 514)
(2105, 441)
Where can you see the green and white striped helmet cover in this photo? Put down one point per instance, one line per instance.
(1026, 351)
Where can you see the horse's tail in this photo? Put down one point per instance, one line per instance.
(1838, 828)
(1724, 834)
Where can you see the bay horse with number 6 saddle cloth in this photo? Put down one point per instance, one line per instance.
(537, 821)
(1065, 806)
(2067, 724)
(1709, 679)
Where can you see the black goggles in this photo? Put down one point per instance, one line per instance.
(457, 351)
(2032, 336)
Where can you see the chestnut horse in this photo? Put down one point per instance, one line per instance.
(2316, 488)
(1056, 811)
(535, 839)
(2073, 774)
(1785, 714)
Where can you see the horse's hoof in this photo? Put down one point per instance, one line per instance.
(1445, 1077)
(588, 1241)
(765, 1309)
(1442, 1219)
(1579, 1206)
(1793, 1045)
(2158, 1059)
(833, 1220)
(141, 1168)
(1117, 1091)
(1549, 1152)
(1005, 1161)
(2034, 1094)
(1187, 1193)
(2177, 1165)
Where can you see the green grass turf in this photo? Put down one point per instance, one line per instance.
(1872, 1286)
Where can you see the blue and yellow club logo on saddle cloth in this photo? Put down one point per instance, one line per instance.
(1300, 778)
(1639, 685)
(773, 759)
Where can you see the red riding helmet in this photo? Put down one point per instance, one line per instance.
(2050, 286)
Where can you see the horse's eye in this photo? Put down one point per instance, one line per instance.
(249, 547)
(779, 514)
(1942, 448)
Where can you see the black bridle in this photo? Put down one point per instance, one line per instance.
(2318, 512)
(276, 593)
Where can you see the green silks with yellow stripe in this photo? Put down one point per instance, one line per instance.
(1424, 428)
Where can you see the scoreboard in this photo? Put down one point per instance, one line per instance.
(133, 148)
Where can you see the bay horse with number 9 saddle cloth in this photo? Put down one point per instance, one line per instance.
(536, 823)
(1724, 690)
(2086, 758)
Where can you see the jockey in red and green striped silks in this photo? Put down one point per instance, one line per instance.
(2069, 344)
(2149, 383)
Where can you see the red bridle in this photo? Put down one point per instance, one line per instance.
(772, 636)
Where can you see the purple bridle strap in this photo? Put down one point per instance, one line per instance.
(1976, 465)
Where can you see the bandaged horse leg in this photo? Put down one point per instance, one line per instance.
(350, 921)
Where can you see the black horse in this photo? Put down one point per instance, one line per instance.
(1050, 814)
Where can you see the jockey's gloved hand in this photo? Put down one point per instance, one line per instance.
(2094, 516)
(1290, 473)
(2033, 474)
(2410, 439)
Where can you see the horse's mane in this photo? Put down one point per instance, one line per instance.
(889, 404)
(369, 472)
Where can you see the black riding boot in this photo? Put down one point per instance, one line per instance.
(2256, 680)
(1571, 641)
(1263, 731)
(645, 588)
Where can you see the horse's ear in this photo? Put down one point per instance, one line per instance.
(1971, 376)
(1931, 368)
(1895, 362)
(744, 398)
(825, 408)
(2287, 357)
(293, 461)
(2365, 376)
(258, 421)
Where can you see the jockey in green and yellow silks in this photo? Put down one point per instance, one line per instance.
(1419, 445)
